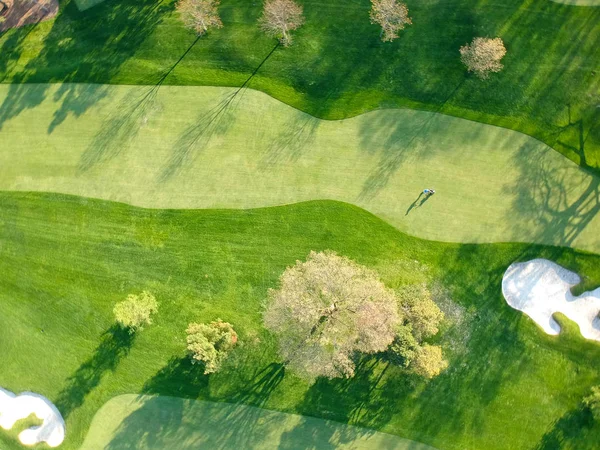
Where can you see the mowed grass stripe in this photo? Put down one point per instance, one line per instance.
(338, 67)
(65, 262)
(210, 147)
(150, 422)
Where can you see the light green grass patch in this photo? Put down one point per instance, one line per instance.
(579, 2)
(205, 147)
(150, 422)
(82, 5)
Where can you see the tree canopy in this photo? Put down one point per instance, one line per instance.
(135, 312)
(326, 309)
(483, 56)
(200, 15)
(391, 15)
(280, 17)
(210, 343)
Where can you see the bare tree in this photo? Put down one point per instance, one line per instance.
(279, 18)
(391, 15)
(200, 15)
(325, 310)
(483, 56)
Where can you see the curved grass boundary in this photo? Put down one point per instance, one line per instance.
(156, 422)
(338, 67)
(65, 261)
(208, 147)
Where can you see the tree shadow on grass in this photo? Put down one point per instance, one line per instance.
(240, 427)
(115, 344)
(214, 122)
(133, 112)
(396, 140)
(292, 140)
(178, 378)
(575, 430)
(552, 197)
(118, 29)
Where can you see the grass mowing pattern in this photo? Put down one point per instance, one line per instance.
(87, 4)
(150, 422)
(338, 67)
(579, 2)
(65, 262)
(206, 147)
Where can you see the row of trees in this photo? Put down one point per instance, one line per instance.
(280, 17)
(326, 313)
(329, 310)
(208, 344)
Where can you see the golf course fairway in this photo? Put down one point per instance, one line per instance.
(211, 147)
(151, 422)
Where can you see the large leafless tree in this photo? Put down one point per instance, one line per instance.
(391, 15)
(279, 18)
(200, 15)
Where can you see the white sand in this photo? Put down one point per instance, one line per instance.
(541, 288)
(16, 407)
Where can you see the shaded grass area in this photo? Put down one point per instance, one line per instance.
(211, 147)
(65, 261)
(337, 67)
(149, 422)
(87, 4)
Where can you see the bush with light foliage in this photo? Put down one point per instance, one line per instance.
(592, 402)
(429, 361)
(420, 320)
(483, 56)
(135, 312)
(210, 343)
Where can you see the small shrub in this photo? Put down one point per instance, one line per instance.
(136, 311)
(429, 361)
(592, 402)
(210, 343)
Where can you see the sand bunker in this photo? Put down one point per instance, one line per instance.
(16, 407)
(541, 288)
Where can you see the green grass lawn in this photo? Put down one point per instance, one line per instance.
(150, 422)
(87, 4)
(65, 261)
(186, 147)
(338, 67)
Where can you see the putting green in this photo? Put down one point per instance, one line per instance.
(149, 422)
(206, 147)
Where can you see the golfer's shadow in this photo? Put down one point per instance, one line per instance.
(417, 203)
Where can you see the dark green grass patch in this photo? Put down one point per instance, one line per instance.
(338, 67)
(65, 261)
